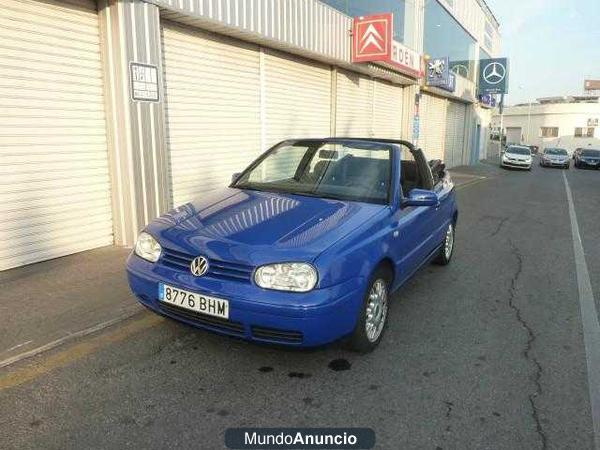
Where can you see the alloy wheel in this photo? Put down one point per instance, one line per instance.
(377, 310)
(449, 242)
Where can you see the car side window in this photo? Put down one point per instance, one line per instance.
(415, 172)
(437, 171)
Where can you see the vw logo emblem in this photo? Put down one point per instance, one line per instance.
(199, 266)
(494, 73)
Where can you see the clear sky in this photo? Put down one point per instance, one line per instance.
(553, 45)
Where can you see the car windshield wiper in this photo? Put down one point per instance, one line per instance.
(318, 195)
(252, 187)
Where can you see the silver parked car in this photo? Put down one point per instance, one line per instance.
(555, 157)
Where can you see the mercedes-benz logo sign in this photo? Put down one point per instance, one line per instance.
(199, 266)
(494, 73)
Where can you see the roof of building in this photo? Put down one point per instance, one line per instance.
(564, 99)
(489, 12)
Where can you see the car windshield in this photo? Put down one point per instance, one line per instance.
(555, 151)
(591, 153)
(355, 171)
(518, 150)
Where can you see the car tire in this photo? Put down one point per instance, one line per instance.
(372, 320)
(447, 250)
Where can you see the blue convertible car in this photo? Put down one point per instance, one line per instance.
(304, 247)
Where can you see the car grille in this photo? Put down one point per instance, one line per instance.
(272, 334)
(205, 320)
(216, 269)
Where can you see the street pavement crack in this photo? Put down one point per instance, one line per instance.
(528, 347)
(449, 406)
(501, 222)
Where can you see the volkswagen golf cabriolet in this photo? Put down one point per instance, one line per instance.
(304, 247)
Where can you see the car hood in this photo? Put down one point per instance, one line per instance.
(260, 227)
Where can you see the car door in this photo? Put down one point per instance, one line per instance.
(416, 228)
(434, 220)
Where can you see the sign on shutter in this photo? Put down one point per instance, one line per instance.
(144, 82)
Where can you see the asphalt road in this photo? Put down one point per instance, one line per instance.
(486, 353)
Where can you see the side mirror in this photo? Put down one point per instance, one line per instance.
(234, 177)
(421, 197)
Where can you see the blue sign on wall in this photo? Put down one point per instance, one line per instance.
(438, 71)
(439, 74)
(416, 127)
(451, 83)
(493, 76)
(488, 100)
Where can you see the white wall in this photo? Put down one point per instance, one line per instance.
(565, 116)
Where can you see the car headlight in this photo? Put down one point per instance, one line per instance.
(294, 277)
(147, 247)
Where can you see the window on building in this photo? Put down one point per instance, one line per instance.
(584, 132)
(549, 132)
(487, 41)
(444, 36)
(488, 28)
(355, 8)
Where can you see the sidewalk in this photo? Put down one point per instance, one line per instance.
(463, 175)
(49, 302)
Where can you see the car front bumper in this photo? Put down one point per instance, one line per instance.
(516, 164)
(295, 319)
(591, 165)
(547, 163)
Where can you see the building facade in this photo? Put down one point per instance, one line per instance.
(114, 111)
(564, 122)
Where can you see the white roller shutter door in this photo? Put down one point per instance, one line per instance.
(433, 126)
(297, 98)
(387, 110)
(212, 108)
(354, 105)
(455, 133)
(513, 135)
(54, 177)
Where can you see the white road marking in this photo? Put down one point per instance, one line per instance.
(589, 318)
(16, 347)
(68, 337)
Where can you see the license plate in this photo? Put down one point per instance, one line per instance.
(193, 301)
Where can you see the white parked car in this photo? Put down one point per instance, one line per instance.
(516, 156)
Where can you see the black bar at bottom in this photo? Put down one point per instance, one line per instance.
(300, 438)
